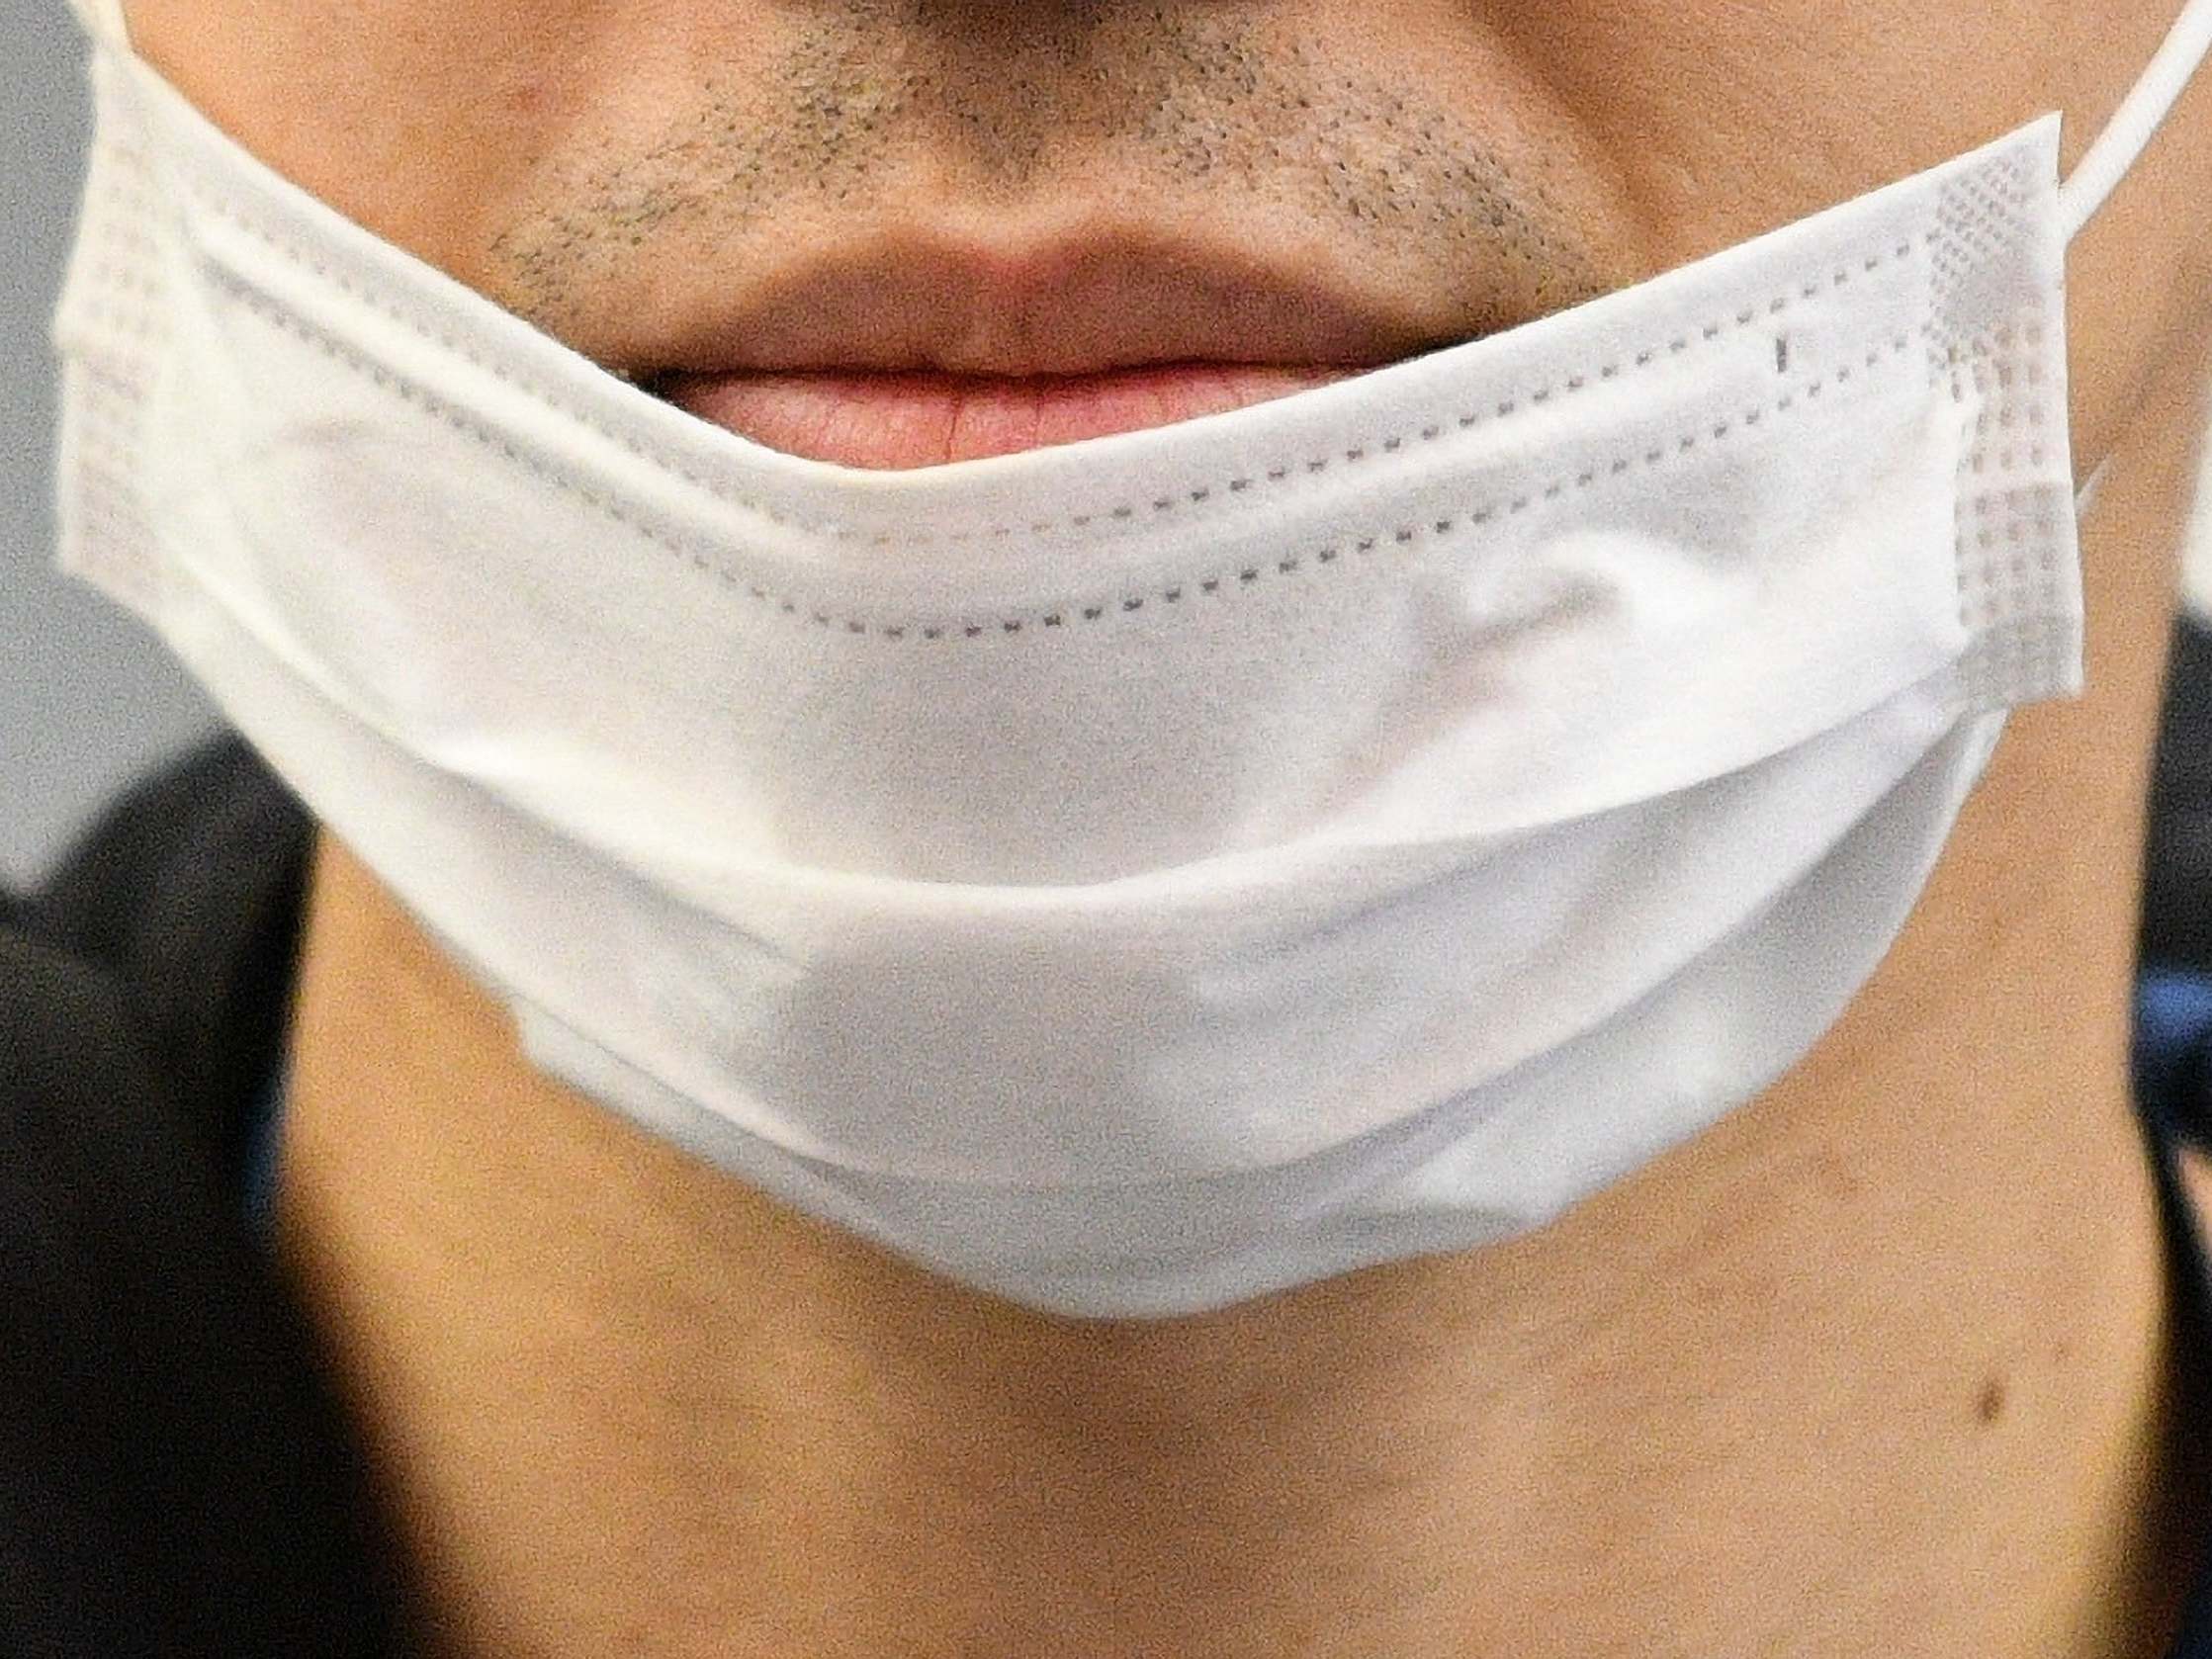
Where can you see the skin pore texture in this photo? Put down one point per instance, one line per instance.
(1880, 1365)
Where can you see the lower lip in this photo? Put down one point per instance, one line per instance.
(918, 419)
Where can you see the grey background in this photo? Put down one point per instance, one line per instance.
(89, 698)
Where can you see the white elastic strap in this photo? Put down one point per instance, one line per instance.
(2085, 497)
(2197, 542)
(103, 19)
(2129, 131)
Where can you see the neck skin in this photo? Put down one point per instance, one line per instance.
(1880, 1364)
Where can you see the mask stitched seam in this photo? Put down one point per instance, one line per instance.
(1244, 577)
(1124, 512)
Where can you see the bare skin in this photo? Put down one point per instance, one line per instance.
(1878, 1365)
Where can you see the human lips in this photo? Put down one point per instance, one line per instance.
(894, 420)
(918, 353)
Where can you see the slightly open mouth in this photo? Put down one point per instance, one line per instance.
(908, 418)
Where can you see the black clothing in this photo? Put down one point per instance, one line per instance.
(176, 1474)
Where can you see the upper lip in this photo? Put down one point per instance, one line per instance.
(1072, 303)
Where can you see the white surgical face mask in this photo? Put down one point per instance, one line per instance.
(1140, 875)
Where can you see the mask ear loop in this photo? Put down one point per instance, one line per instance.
(2138, 118)
(103, 20)
(2124, 139)
(2085, 497)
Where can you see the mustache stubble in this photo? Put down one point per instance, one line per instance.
(1001, 104)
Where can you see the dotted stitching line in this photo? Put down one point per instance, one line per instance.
(1243, 579)
(463, 423)
(1123, 512)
